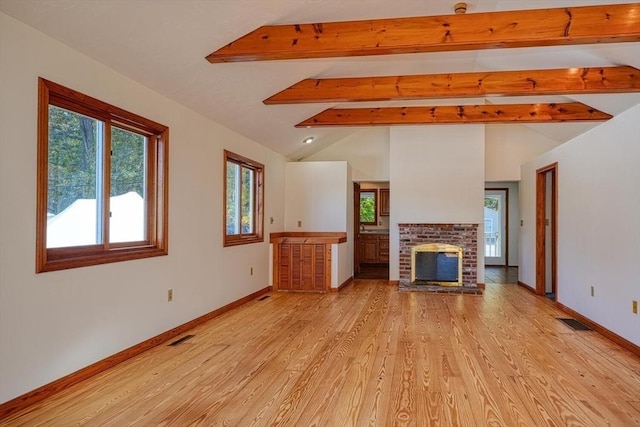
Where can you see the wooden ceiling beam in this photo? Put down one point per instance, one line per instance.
(456, 114)
(461, 85)
(489, 30)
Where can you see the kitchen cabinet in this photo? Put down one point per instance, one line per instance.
(383, 248)
(374, 248)
(368, 248)
(384, 202)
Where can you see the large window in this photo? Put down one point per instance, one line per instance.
(102, 182)
(243, 200)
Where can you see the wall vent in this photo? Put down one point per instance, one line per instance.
(181, 340)
(574, 324)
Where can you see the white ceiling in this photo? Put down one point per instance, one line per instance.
(163, 44)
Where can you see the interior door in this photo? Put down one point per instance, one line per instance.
(495, 226)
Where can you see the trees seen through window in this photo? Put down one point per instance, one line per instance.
(102, 182)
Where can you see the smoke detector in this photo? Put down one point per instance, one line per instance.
(460, 8)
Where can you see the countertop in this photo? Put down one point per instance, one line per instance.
(375, 231)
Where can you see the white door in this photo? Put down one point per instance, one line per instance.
(495, 227)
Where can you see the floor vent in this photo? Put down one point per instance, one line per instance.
(574, 324)
(263, 298)
(181, 340)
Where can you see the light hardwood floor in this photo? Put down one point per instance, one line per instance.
(367, 355)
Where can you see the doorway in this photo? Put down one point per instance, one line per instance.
(547, 231)
(496, 220)
(371, 231)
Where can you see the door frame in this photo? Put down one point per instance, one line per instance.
(356, 228)
(541, 203)
(506, 225)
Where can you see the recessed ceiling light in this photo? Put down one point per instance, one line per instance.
(307, 140)
(460, 8)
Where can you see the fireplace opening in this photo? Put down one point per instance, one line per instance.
(436, 264)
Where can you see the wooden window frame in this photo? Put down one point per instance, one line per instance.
(156, 186)
(375, 206)
(258, 213)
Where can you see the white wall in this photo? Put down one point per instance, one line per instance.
(366, 150)
(509, 146)
(320, 195)
(598, 223)
(52, 324)
(316, 194)
(514, 218)
(437, 176)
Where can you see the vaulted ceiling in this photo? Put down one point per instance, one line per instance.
(163, 45)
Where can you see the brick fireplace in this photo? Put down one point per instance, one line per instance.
(462, 235)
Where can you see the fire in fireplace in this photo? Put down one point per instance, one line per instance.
(436, 264)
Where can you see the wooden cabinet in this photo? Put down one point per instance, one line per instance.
(384, 202)
(369, 248)
(383, 248)
(304, 267)
(374, 248)
(302, 260)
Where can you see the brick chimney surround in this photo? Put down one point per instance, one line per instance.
(462, 235)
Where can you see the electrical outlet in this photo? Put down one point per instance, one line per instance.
(170, 295)
(634, 307)
(299, 224)
(271, 220)
(251, 271)
(592, 291)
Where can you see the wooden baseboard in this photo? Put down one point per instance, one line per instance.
(527, 287)
(47, 390)
(622, 342)
(481, 286)
(339, 288)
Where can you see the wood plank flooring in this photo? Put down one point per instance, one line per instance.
(367, 356)
(373, 271)
(497, 274)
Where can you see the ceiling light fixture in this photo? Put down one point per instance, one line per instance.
(307, 140)
(460, 8)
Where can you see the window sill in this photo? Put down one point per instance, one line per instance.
(116, 255)
(236, 241)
